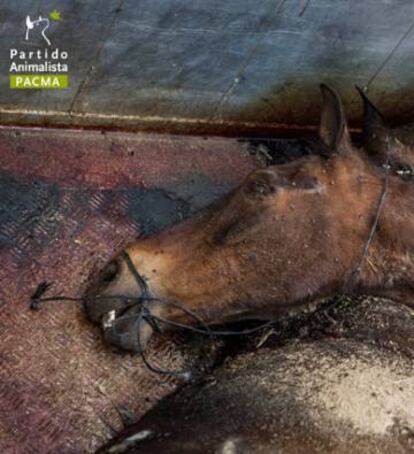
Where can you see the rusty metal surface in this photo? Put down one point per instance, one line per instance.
(212, 67)
(68, 201)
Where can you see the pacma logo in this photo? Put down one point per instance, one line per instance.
(43, 23)
(43, 66)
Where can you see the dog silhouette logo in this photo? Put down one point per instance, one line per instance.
(43, 23)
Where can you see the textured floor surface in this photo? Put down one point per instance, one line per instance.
(68, 201)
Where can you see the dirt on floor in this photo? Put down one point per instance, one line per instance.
(344, 384)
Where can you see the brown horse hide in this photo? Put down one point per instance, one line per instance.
(338, 221)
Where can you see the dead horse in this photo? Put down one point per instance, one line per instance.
(337, 222)
(290, 234)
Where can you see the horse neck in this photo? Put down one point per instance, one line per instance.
(389, 266)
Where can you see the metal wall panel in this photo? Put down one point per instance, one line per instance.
(213, 66)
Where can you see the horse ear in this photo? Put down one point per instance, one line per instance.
(333, 130)
(375, 134)
(386, 145)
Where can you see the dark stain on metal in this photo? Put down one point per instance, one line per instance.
(37, 207)
(42, 209)
(156, 209)
(68, 202)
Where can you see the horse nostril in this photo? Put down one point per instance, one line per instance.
(109, 272)
(95, 302)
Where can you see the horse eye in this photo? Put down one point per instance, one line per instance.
(260, 188)
(110, 271)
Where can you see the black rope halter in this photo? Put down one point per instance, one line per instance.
(142, 314)
(141, 304)
(377, 214)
